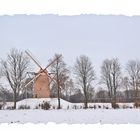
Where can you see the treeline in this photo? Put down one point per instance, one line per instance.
(76, 83)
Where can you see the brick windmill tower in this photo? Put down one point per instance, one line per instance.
(41, 80)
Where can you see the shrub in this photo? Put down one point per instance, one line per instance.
(115, 106)
(10, 108)
(136, 104)
(74, 107)
(107, 107)
(24, 107)
(37, 107)
(91, 107)
(45, 106)
(99, 106)
(125, 106)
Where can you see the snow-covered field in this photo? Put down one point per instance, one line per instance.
(34, 103)
(89, 116)
(70, 113)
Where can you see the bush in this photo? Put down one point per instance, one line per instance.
(115, 106)
(91, 107)
(45, 106)
(37, 107)
(10, 108)
(74, 107)
(99, 106)
(137, 104)
(125, 106)
(24, 107)
(107, 107)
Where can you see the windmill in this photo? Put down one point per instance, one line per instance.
(41, 79)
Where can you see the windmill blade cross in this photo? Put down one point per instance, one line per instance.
(27, 52)
(33, 79)
(53, 61)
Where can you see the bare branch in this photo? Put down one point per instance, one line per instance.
(14, 68)
(85, 75)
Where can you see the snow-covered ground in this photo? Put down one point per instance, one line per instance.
(34, 103)
(89, 116)
(70, 113)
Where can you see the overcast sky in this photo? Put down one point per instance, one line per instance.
(98, 37)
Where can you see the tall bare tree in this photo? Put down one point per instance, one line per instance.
(111, 77)
(126, 87)
(61, 75)
(133, 70)
(14, 68)
(69, 88)
(85, 75)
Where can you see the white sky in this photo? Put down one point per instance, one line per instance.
(98, 37)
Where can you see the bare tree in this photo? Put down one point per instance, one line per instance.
(133, 70)
(14, 68)
(111, 77)
(85, 75)
(69, 88)
(126, 87)
(61, 75)
(91, 93)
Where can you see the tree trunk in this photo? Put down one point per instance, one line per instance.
(86, 104)
(59, 106)
(86, 99)
(58, 94)
(15, 100)
(136, 95)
